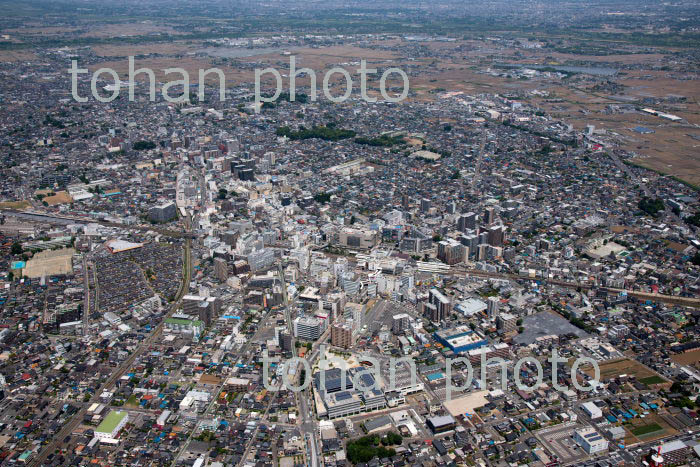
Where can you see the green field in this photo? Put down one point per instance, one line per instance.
(646, 429)
(652, 380)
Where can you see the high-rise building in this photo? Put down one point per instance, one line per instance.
(204, 311)
(451, 251)
(232, 146)
(215, 304)
(357, 238)
(356, 313)
(496, 235)
(441, 303)
(471, 242)
(493, 304)
(483, 252)
(284, 340)
(425, 205)
(307, 328)
(489, 215)
(430, 311)
(221, 269)
(507, 323)
(261, 259)
(342, 335)
(400, 323)
(466, 221)
(163, 212)
(190, 304)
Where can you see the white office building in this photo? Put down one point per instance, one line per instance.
(592, 410)
(590, 440)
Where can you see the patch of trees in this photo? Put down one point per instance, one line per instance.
(49, 120)
(381, 141)
(368, 447)
(322, 197)
(144, 145)
(16, 249)
(696, 259)
(651, 206)
(694, 219)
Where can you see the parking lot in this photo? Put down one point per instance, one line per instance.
(559, 441)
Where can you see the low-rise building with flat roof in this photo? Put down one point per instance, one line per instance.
(112, 423)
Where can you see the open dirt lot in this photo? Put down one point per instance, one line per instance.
(114, 50)
(623, 366)
(17, 55)
(692, 357)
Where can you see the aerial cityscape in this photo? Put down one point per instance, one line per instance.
(350, 233)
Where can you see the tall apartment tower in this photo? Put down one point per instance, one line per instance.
(496, 235)
(489, 215)
(466, 221)
(493, 304)
(425, 205)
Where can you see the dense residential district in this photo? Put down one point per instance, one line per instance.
(320, 284)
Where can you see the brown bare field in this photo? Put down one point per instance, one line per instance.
(347, 52)
(171, 48)
(40, 30)
(319, 60)
(692, 357)
(324, 58)
(15, 204)
(190, 64)
(670, 149)
(17, 55)
(61, 197)
(622, 58)
(128, 29)
(623, 366)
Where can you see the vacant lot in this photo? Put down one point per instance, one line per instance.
(626, 366)
(15, 204)
(691, 357)
(115, 50)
